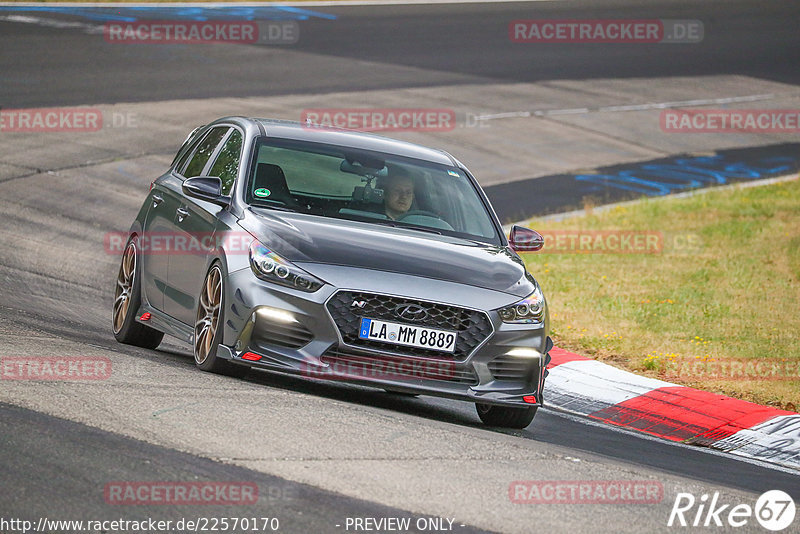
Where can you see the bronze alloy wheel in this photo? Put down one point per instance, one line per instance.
(124, 290)
(208, 311)
(128, 300)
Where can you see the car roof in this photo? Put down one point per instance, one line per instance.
(298, 131)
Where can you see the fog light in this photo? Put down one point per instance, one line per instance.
(524, 353)
(274, 314)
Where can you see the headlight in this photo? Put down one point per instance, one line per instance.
(528, 310)
(269, 266)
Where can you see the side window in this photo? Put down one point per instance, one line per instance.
(186, 155)
(227, 164)
(204, 151)
(191, 142)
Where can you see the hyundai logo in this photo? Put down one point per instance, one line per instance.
(411, 312)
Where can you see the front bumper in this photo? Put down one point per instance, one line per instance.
(290, 331)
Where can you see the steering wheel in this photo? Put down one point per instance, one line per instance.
(419, 213)
(435, 220)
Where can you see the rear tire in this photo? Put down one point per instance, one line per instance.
(504, 416)
(127, 299)
(208, 327)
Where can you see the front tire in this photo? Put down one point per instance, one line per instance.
(208, 326)
(127, 299)
(504, 416)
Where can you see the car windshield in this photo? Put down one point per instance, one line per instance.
(376, 188)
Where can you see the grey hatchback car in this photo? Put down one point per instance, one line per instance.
(336, 255)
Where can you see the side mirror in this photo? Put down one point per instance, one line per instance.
(208, 188)
(525, 240)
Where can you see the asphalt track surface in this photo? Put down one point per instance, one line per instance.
(55, 290)
(444, 44)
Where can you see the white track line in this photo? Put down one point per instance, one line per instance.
(630, 107)
(53, 23)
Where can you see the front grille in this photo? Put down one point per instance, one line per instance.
(472, 326)
(355, 365)
(510, 368)
(292, 335)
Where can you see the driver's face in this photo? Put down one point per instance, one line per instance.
(399, 196)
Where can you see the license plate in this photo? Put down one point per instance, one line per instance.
(408, 335)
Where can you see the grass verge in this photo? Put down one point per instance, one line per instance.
(713, 304)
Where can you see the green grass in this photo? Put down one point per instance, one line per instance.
(725, 287)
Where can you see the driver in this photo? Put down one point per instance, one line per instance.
(398, 193)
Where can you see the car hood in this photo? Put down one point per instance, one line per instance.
(310, 239)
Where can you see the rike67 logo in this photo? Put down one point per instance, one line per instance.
(774, 510)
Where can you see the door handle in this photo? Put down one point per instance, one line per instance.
(157, 199)
(182, 214)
